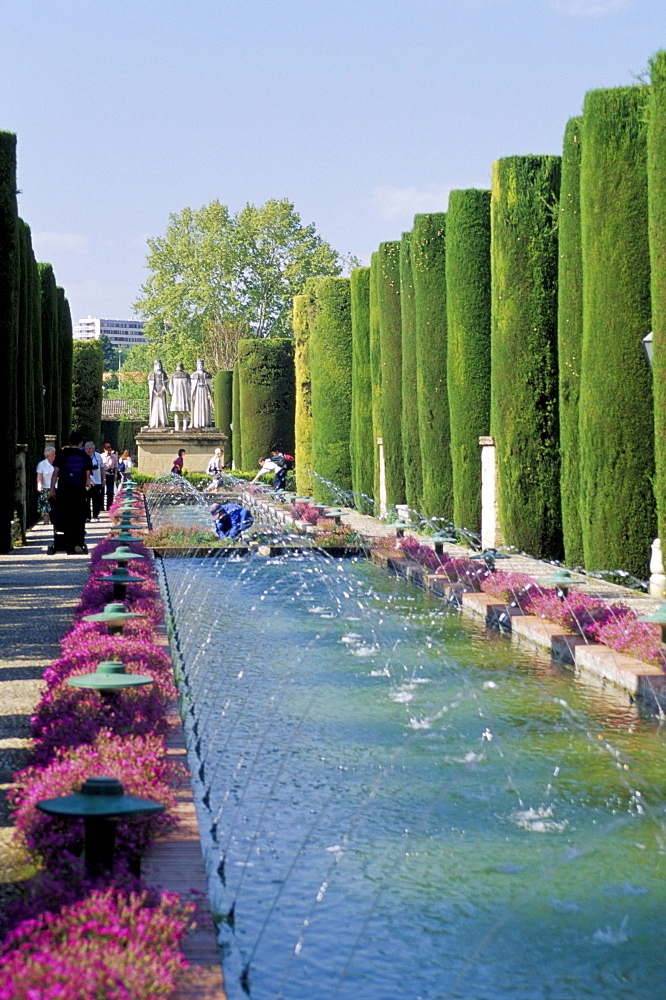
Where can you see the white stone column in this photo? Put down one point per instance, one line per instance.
(491, 533)
(657, 577)
(383, 507)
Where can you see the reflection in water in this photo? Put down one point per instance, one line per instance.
(400, 804)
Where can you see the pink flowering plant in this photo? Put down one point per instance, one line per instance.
(507, 587)
(86, 646)
(109, 945)
(627, 635)
(139, 762)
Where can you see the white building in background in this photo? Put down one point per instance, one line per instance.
(122, 333)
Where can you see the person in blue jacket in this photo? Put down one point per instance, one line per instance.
(230, 519)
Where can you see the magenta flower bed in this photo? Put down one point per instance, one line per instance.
(139, 762)
(507, 587)
(108, 945)
(86, 645)
(627, 635)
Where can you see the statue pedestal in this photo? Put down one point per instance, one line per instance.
(157, 448)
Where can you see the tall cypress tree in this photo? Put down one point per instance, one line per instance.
(66, 361)
(525, 200)
(303, 429)
(570, 339)
(267, 395)
(361, 445)
(87, 372)
(223, 391)
(656, 166)
(50, 351)
(411, 445)
(468, 345)
(428, 252)
(616, 416)
(329, 323)
(9, 329)
(376, 373)
(237, 455)
(390, 347)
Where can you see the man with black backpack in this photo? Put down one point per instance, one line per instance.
(71, 476)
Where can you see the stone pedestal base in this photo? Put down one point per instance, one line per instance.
(158, 448)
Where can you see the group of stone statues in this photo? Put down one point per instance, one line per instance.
(191, 397)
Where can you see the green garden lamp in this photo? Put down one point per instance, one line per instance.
(442, 538)
(490, 557)
(120, 577)
(122, 555)
(109, 676)
(100, 803)
(114, 615)
(657, 617)
(124, 533)
(335, 513)
(400, 527)
(561, 580)
(125, 521)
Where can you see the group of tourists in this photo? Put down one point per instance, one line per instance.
(75, 484)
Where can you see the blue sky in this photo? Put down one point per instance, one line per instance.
(361, 112)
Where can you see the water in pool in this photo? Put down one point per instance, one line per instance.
(398, 803)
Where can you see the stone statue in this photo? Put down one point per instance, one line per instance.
(202, 397)
(157, 397)
(181, 397)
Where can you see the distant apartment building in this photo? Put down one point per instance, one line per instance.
(122, 333)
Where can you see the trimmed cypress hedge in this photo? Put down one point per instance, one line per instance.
(390, 346)
(428, 251)
(376, 374)
(411, 445)
(303, 428)
(87, 371)
(236, 452)
(570, 339)
(361, 444)
(468, 346)
(656, 167)
(9, 329)
(524, 422)
(25, 376)
(616, 416)
(65, 362)
(50, 352)
(267, 389)
(222, 395)
(328, 302)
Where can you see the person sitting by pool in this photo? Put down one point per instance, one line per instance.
(230, 519)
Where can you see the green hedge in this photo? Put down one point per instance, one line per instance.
(328, 302)
(9, 329)
(468, 346)
(525, 201)
(390, 346)
(376, 374)
(26, 375)
(87, 371)
(303, 428)
(361, 445)
(428, 247)
(656, 164)
(267, 389)
(51, 353)
(121, 433)
(236, 451)
(411, 445)
(223, 396)
(616, 416)
(570, 340)
(65, 362)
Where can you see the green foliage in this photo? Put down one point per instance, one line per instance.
(223, 394)
(411, 445)
(66, 357)
(656, 165)
(524, 206)
(570, 339)
(375, 371)
(110, 354)
(328, 303)
(236, 419)
(361, 445)
(267, 389)
(428, 251)
(121, 433)
(468, 346)
(9, 328)
(217, 278)
(390, 346)
(616, 417)
(87, 371)
(303, 426)
(51, 353)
